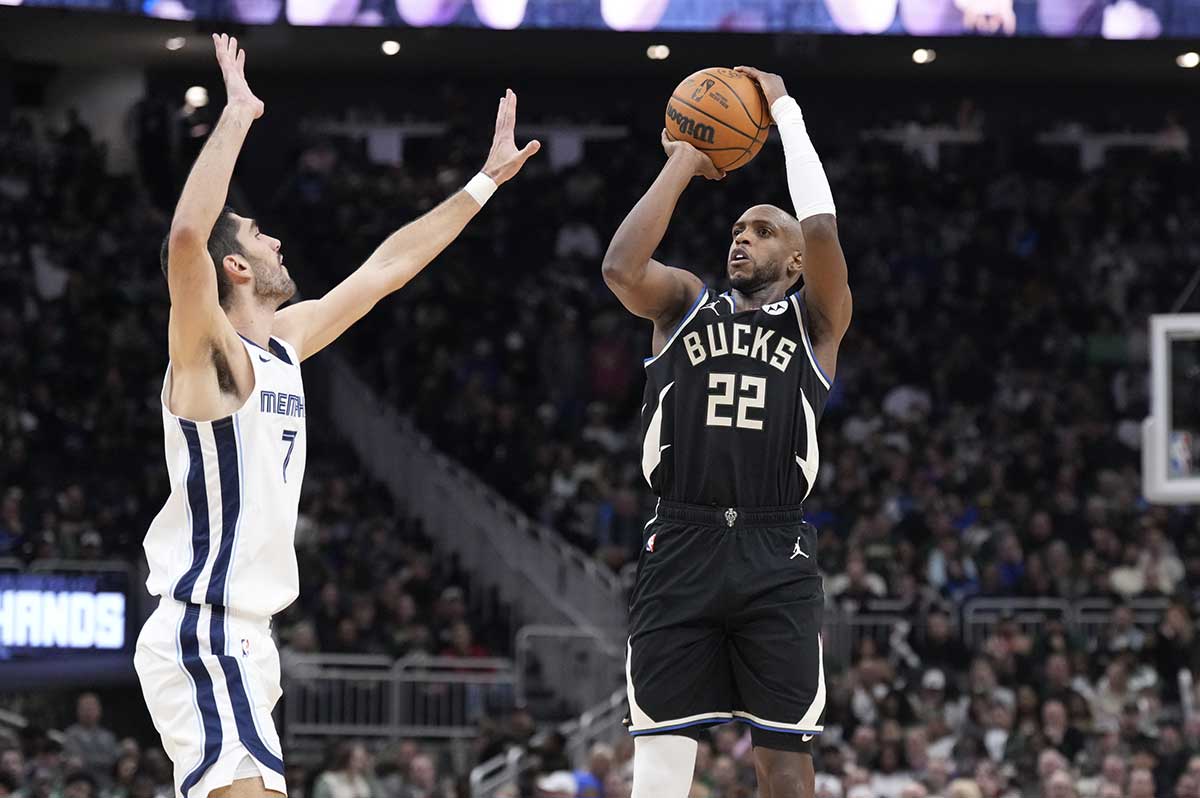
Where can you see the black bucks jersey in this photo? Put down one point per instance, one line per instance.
(732, 404)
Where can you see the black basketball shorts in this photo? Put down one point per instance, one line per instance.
(725, 624)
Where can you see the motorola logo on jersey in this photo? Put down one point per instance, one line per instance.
(690, 127)
(743, 340)
(61, 619)
(776, 308)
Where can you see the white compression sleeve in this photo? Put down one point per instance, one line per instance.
(806, 177)
(663, 765)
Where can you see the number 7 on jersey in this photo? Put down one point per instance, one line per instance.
(289, 437)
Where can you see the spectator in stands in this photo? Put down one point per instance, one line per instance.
(1141, 783)
(349, 774)
(939, 647)
(1176, 649)
(591, 781)
(1120, 635)
(462, 642)
(1058, 733)
(89, 742)
(890, 778)
(1112, 694)
(449, 609)
(80, 784)
(123, 774)
(1057, 681)
(301, 641)
(12, 764)
(423, 778)
(857, 585)
(559, 784)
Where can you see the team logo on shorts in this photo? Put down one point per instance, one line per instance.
(775, 308)
(245, 647)
(650, 542)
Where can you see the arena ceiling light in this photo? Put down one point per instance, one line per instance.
(923, 55)
(196, 96)
(1189, 60)
(390, 47)
(658, 52)
(176, 43)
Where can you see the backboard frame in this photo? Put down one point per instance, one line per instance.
(1158, 486)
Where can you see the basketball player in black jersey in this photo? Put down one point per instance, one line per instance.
(725, 615)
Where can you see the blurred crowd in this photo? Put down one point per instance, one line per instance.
(88, 760)
(981, 441)
(983, 434)
(83, 314)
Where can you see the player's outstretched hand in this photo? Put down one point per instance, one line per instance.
(233, 69)
(770, 83)
(505, 160)
(703, 165)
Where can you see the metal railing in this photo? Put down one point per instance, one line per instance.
(601, 723)
(981, 614)
(844, 631)
(501, 772)
(1094, 615)
(347, 695)
(587, 666)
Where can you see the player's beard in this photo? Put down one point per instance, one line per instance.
(272, 285)
(760, 276)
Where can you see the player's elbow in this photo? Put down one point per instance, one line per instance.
(611, 270)
(618, 271)
(822, 227)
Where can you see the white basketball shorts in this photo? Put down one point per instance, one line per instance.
(211, 678)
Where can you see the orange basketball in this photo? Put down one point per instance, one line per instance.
(722, 113)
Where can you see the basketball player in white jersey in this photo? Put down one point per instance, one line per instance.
(221, 553)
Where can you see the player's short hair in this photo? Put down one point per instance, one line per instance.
(222, 241)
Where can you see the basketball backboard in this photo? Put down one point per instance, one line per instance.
(1171, 435)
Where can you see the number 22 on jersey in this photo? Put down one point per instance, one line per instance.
(744, 391)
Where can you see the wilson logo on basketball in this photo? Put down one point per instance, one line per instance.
(690, 127)
(703, 88)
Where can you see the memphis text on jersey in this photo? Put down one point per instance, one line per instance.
(280, 403)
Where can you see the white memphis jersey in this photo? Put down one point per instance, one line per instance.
(226, 536)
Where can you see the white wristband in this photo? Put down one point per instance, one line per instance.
(784, 107)
(481, 188)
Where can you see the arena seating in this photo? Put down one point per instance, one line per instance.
(981, 443)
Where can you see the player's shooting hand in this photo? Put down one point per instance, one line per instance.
(505, 160)
(233, 68)
(770, 83)
(701, 163)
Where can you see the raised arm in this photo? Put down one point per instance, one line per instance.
(647, 288)
(312, 325)
(826, 283)
(197, 323)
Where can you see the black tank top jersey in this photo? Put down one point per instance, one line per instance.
(732, 404)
